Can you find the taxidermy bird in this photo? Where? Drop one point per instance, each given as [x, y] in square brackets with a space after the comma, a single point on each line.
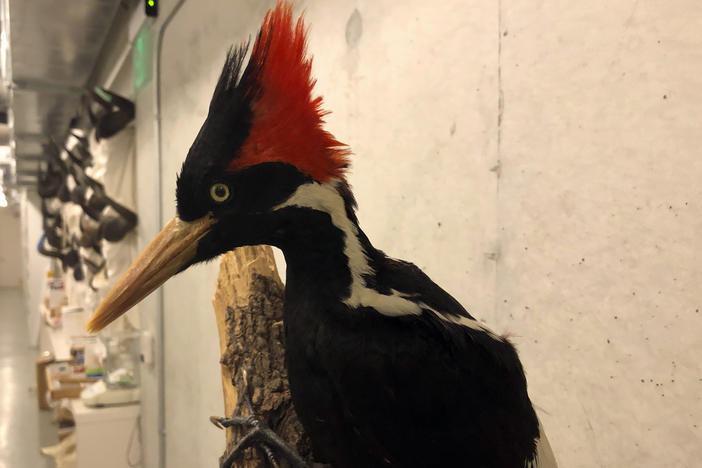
[386, 369]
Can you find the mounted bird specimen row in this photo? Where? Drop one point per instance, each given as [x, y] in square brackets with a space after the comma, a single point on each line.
[64, 179]
[385, 367]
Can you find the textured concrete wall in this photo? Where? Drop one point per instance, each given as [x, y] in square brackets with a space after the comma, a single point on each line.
[537, 160]
[599, 220]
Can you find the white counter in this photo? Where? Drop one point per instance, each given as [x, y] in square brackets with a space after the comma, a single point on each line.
[107, 437]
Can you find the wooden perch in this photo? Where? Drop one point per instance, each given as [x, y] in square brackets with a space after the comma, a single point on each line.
[248, 305]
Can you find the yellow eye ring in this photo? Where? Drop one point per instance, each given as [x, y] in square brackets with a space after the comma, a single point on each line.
[219, 192]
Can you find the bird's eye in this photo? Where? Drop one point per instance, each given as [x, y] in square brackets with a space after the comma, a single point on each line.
[219, 192]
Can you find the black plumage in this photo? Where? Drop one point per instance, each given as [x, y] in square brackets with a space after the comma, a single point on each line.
[385, 367]
[372, 388]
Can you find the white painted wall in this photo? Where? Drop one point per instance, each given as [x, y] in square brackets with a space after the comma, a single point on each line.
[10, 255]
[581, 243]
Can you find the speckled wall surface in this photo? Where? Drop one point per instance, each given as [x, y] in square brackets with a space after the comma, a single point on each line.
[600, 215]
[538, 159]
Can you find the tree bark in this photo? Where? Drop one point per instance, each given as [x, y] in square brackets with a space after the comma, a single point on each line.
[248, 305]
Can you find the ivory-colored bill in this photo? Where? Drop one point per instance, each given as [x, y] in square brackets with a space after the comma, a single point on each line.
[172, 248]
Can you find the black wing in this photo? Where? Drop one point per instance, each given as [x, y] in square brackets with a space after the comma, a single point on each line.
[422, 391]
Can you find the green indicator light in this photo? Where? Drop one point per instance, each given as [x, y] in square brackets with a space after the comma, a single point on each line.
[151, 8]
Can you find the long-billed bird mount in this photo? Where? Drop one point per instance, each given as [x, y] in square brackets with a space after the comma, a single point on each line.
[385, 367]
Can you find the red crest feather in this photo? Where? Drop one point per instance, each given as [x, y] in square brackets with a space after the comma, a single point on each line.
[286, 121]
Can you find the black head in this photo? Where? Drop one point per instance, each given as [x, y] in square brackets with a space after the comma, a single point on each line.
[261, 141]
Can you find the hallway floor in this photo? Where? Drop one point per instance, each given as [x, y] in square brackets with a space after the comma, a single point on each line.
[23, 427]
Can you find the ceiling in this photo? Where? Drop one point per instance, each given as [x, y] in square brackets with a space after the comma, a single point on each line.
[53, 47]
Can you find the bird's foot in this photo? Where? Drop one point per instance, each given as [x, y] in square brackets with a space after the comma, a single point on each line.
[259, 435]
[262, 437]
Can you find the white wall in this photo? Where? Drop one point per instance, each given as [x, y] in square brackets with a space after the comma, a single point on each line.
[537, 160]
[10, 255]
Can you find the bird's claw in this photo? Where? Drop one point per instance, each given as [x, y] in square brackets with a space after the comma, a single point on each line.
[247, 421]
[216, 421]
[265, 439]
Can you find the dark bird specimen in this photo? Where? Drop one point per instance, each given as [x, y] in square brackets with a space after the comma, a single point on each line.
[385, 367]
[115, 113]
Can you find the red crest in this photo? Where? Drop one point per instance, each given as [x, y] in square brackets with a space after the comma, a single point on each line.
[286, 120]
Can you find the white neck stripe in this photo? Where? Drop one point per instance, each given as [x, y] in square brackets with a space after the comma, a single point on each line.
[326, 198]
